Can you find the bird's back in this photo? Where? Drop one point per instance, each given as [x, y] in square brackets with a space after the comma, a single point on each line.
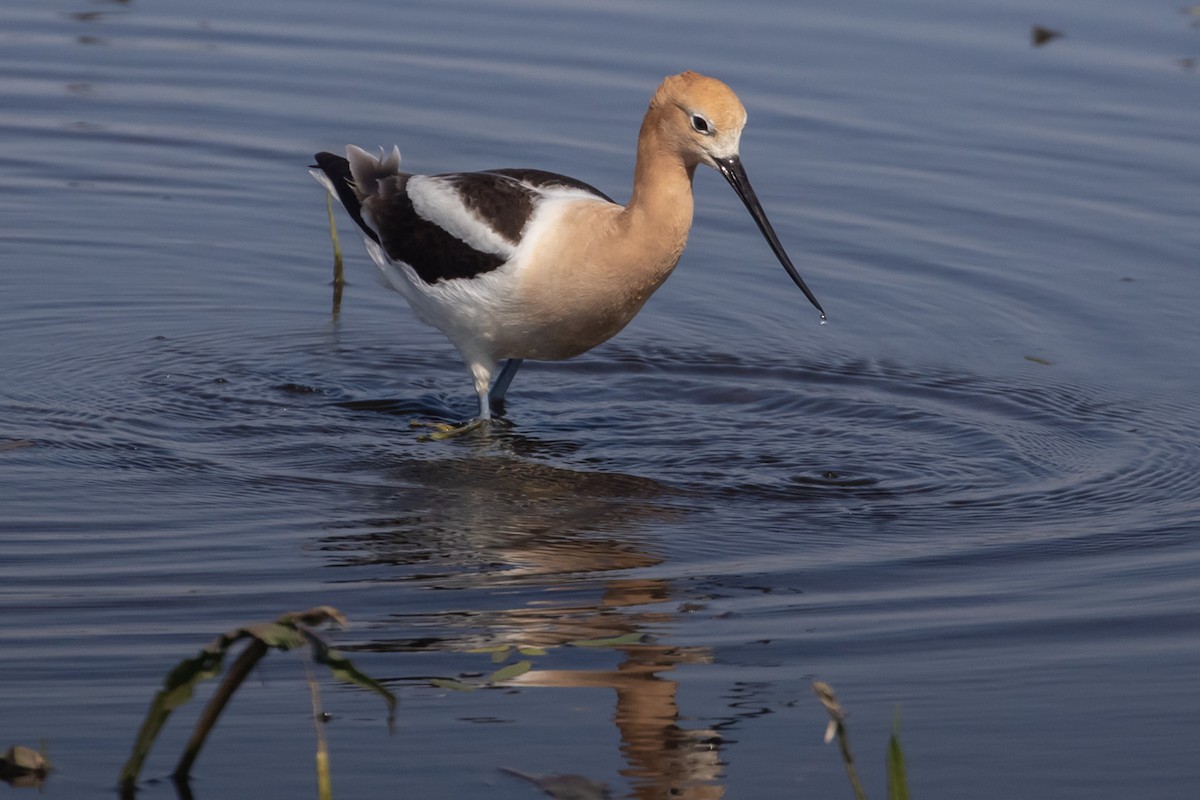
[454, 225]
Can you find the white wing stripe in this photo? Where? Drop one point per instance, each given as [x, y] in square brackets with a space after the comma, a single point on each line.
[438, 201]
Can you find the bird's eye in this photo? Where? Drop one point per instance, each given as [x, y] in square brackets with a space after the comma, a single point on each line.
[701, 125]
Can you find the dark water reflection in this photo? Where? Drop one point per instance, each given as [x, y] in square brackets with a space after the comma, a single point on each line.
[503, 518]
[499, 522]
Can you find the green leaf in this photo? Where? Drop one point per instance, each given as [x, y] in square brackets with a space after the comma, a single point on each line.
[280, 635]
[527, 650]
[344, 670]
[615, 641]
[511, 671]
[177, 689]
[286, 633]
[452, 685]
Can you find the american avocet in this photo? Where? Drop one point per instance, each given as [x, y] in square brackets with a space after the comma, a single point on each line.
[519, 263]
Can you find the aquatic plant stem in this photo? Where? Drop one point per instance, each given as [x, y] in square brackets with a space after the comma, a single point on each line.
[848, 758]
[897, 780]
[837, 726]
[216, 704]
[324, 779]
[339, 272]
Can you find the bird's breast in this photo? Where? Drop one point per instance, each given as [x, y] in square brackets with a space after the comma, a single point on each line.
[583, 276]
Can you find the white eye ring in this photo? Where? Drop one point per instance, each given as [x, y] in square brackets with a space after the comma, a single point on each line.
[701, 125]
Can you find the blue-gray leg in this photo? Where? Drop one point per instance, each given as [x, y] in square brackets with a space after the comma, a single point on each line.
[507, 373]
[489, 393]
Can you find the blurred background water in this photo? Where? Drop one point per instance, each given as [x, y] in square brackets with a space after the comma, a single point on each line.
[971, 495]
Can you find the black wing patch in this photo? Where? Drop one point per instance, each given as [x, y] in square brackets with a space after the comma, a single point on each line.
[433, 253]
[429, 249]
[503, 204]
[503, 199]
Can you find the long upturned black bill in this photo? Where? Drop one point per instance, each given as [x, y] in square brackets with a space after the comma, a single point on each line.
[735, 173]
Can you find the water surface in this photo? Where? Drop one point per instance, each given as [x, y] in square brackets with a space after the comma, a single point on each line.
[971, 495]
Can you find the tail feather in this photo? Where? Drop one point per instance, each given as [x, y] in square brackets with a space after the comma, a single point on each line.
[335, 175]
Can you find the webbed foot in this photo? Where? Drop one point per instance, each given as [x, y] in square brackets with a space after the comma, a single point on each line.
[446, 430]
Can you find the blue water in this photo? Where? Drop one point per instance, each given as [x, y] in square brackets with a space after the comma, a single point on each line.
[972, 495]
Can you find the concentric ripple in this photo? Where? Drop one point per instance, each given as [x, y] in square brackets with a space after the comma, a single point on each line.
[922, 446]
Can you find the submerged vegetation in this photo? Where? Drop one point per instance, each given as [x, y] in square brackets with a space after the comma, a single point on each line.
[286, 633]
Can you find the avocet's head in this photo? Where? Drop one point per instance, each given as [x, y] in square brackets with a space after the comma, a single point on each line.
[704, 118]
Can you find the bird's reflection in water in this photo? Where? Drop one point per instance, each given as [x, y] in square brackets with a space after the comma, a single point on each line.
[502, 522]
[662, 758]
